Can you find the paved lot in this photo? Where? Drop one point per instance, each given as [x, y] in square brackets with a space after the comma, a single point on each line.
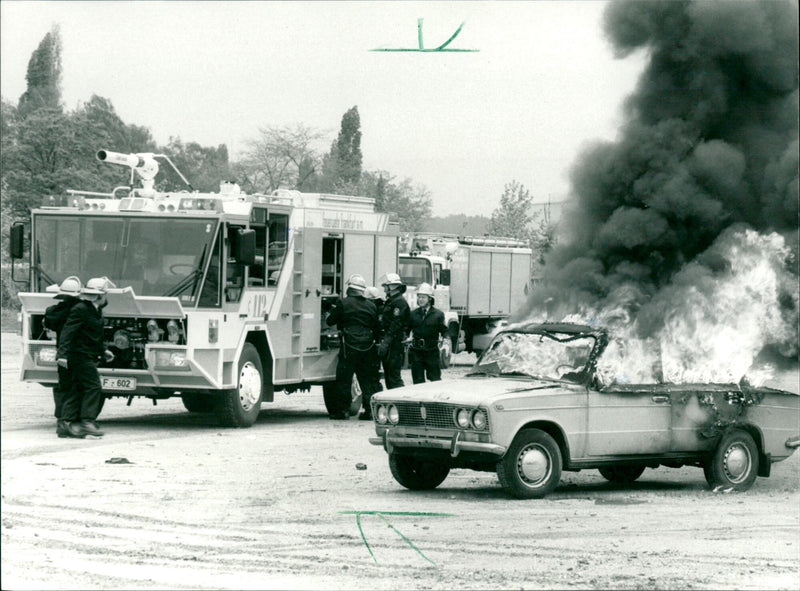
[169, 500]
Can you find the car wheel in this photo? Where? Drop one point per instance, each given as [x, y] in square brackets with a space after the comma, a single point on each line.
[734, 463]
[239, 407]
[330, 392]
[417, 474]
[531, 467]
[199, 402]
[621, 474]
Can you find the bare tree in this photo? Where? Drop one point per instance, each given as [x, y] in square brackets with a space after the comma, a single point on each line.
[280, 157]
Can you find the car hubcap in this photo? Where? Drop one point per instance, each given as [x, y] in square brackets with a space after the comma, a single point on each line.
[249, 386]
[737, 463]
[533, 465]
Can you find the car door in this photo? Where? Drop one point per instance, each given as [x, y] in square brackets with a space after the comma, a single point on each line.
[628, 420]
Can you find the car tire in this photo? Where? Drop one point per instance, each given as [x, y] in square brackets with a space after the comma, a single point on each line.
[621, 474]
[239, 407]
[416, 474]
[734, 464]
[531, 467]
[202, 403]
[329, 393]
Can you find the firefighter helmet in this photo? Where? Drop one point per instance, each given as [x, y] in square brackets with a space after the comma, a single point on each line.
[71, 286]
[357, 282]
[98, 285]
[391, 279]
[425, 289]
[372, 293]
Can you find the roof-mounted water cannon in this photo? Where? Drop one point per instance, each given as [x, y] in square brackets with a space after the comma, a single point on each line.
[144, 165]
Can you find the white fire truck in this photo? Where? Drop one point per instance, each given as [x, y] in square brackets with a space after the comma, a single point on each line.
[221, 298]
[477, 281]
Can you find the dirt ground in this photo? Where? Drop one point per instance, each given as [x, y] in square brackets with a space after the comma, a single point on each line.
[168, 500]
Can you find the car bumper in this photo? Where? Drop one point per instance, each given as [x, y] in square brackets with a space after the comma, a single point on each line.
[793, 442]
[454, 444]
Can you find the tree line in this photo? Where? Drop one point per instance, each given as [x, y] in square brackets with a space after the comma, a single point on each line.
[46, 149]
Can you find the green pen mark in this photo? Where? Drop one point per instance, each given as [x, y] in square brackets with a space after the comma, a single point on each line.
[442, 48]
[382, 515]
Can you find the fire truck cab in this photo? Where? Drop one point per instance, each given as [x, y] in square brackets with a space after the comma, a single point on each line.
[220, 298]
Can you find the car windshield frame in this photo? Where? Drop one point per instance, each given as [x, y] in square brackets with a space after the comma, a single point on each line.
[155, 256]
[558, 353]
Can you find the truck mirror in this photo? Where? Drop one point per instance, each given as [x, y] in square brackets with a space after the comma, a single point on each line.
[16, 240]
[245, 247]
[444, 278]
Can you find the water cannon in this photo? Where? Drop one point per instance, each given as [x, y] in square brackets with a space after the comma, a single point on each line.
[144, 165]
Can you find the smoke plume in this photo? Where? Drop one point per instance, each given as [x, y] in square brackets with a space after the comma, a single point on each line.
[684, 231]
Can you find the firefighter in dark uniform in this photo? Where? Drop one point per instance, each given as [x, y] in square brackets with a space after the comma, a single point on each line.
[357, 321]
[394, 323]
[427, 325]
[373, 294]
[54, 318]
[81, 348]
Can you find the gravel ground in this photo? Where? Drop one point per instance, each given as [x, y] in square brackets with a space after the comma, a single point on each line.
[168, 500]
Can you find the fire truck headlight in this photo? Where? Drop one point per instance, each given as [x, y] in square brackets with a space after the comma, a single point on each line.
[169, 359]
[213, 330]
[173, 332]
[153, 331]
[46, 356]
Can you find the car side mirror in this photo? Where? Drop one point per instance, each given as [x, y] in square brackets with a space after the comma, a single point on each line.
[245, 249]
[16, 240]
[444, 277]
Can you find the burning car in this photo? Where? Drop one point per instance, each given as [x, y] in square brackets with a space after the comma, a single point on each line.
[535, 404]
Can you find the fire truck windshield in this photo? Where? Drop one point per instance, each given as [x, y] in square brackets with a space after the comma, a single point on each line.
[154, 256]
[414, 271]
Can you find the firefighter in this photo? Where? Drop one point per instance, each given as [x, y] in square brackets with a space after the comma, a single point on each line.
[80, 350]
[427, 325]
[357, 320]
[373, 294]
[394, 325]
[54, 318]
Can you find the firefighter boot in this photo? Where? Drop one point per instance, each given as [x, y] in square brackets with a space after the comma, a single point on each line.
[62, 428]
[90, 427]
[75, 429]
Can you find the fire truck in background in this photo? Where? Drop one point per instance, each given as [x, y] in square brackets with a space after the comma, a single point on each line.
[221, 298]
[477, 281]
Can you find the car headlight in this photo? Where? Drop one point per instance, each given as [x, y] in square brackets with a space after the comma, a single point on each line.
[394, 414]
[478, 420]
[380, 413]
[462, 418]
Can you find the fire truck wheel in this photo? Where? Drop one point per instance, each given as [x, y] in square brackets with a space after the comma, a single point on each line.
[329, 393]
[239, 407]
[198, 402]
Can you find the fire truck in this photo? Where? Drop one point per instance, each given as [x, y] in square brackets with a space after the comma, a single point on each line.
[477, 282]
[220, 298]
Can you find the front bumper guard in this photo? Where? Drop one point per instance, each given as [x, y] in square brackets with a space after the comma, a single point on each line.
[454, 444]
[793, 442]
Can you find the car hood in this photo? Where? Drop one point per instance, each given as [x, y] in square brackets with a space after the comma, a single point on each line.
[471, 391]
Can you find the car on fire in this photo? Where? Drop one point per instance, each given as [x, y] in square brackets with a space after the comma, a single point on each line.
[535, 404]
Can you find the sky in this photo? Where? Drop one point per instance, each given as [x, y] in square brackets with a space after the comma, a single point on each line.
[542, 86]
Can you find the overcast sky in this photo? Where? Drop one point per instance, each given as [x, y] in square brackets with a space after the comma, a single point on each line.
[543, 83]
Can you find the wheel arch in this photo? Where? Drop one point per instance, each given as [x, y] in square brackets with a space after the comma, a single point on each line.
[556, 432]
[258, 338]
[764, 459]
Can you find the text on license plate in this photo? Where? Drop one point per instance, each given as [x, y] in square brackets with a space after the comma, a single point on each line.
[119, 383]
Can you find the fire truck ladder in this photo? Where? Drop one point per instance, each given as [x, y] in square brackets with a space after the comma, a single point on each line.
[295, 362]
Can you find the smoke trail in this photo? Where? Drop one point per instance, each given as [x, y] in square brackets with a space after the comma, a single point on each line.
[703, 174]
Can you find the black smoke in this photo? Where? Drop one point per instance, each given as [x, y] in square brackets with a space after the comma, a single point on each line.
[710, 148]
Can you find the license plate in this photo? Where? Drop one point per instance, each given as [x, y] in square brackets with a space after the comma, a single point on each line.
[119, 383]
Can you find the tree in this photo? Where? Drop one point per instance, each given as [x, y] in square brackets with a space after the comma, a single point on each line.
[409, 204]
[514, 217]
[341, 166]
[43, 76]
[203, 167]
[281, 157]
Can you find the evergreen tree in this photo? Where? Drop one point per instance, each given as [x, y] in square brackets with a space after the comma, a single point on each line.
[348, 148]
[44, 76]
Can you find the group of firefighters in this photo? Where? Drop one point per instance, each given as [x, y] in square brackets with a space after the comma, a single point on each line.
[374, 332]
[77, 321]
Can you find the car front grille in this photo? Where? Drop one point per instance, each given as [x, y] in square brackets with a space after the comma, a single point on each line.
[437, 415]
